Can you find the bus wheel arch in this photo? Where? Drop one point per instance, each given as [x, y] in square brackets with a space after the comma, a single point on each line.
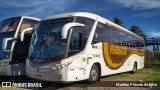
[96, 68]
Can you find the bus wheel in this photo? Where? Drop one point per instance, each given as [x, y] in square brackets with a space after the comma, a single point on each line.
[94, 74]
[134, 68]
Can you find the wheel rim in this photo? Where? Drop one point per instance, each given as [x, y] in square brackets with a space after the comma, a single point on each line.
[134, 68]
[93, 74]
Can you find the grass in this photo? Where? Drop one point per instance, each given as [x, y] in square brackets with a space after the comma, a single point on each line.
[145, 74]
[122, 76]
[151, 78]
[152, 63]
[154, 74]
[66, 88]
[151, 73]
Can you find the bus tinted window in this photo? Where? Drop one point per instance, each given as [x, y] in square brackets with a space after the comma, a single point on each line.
[76, 42]
[28, 23]
[123, 38]
[88, 25]
[104, 33]
[9, 25]
[114, 35]
[87, 29]
[101, 33]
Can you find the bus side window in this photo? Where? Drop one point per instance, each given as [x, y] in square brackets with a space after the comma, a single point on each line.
[24, 26]
[101, 33]
[143, 46]
[27, 23]
[13, 26]
[87, 29]
[123, 38]
[75, 43]
[114, 36]
[10, 26]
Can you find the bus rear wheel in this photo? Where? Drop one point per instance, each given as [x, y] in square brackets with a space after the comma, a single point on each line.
[134, 68]
[94, 74]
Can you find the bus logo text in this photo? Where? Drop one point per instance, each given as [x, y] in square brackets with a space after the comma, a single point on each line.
[118, 50]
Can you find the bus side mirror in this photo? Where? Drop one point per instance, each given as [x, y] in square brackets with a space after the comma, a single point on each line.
[24, 31]
[5, 43]
[68, 26]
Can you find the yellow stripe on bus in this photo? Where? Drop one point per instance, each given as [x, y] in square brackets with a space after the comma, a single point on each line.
[109, 61]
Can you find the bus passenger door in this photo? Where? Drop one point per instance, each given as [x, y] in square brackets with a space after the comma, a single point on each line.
[21, 48]
[76, 47]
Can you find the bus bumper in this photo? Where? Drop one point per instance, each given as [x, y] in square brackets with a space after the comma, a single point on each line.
[13, 70]
[47, 74]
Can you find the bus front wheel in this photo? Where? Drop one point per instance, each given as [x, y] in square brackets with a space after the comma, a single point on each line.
[94, 74]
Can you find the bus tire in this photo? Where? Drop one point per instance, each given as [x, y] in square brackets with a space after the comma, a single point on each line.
[134, 68]
[94, 74]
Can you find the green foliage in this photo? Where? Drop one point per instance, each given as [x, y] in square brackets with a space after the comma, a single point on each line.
[118, 21]
[152, 59]
[135, 29]
[66, 88]
[152, 55]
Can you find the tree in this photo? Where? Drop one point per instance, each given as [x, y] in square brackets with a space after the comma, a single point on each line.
[118, 21]
[135, 29]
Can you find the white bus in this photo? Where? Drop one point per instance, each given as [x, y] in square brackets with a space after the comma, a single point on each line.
[13, 51]
[82, 46]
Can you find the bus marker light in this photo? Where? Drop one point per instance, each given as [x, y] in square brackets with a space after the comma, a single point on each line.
[108, 24]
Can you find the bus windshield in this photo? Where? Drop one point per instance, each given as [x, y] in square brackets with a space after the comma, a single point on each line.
[46, 42]
[9, 25]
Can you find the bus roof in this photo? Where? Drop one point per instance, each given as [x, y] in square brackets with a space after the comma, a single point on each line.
[83, 14]
[94, 17]
[38, 19]
[34, 18]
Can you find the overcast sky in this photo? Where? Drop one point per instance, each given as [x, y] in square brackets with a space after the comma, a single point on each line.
[143, 13]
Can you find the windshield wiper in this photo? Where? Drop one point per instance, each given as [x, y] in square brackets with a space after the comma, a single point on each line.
[46, 52]
[40, 47]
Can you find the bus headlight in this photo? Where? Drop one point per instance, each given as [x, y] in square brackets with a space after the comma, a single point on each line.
[58, 66]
